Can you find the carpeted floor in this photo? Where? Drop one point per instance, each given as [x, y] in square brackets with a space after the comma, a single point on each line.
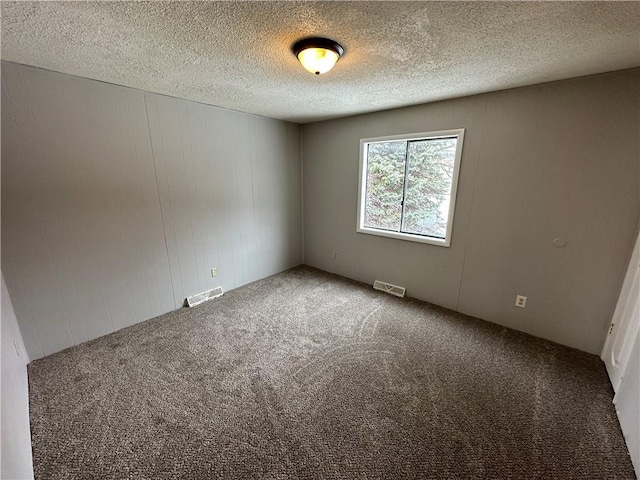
[305, 375]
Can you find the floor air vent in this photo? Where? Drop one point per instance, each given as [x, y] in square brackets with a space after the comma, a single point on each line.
[199, 298]
[387, 287]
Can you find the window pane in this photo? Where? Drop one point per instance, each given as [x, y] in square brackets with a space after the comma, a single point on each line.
[385, 182]
[430, 175]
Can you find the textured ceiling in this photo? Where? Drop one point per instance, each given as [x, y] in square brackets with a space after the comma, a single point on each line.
[237, 54]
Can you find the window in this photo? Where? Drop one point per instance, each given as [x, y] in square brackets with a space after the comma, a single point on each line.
[408, 186]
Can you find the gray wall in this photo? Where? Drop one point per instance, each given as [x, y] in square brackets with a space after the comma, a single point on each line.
[553, 160]
[117, 203]
[16, 460]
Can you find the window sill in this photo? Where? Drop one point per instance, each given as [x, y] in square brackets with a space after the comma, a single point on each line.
[405, 236]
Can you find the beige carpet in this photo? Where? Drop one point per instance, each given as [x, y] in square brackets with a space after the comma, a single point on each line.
[305, 375]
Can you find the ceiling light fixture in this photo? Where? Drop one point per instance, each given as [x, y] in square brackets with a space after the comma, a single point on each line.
[317, 55]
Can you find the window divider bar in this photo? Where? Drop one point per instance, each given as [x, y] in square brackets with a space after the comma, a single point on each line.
[404, 185]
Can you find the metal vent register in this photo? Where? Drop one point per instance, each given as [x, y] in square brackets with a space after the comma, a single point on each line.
[199, 298]
[388, 288]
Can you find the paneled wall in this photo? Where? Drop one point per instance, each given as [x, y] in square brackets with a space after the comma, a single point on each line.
[229, 186]
[553, 160]
[117, 203]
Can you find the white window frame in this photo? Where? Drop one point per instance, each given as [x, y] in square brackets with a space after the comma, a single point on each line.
[362, 185]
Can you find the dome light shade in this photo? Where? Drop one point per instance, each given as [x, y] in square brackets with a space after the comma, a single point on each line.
[317, 55]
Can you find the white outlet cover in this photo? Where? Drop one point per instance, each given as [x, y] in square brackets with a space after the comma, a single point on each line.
[521, 301]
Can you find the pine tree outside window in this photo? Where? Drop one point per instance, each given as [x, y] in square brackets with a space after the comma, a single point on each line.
[408, 184]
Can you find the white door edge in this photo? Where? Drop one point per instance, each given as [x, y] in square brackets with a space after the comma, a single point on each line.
[625, 322]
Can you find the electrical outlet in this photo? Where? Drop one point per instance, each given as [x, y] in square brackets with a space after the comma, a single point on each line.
[521, 301]
[335, 255]
[214, 272]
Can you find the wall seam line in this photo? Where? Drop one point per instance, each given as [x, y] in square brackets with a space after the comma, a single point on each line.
[302, 259]
[473, 196]
[184, 156]
[164, 230]
[120, 221]
[139, 240]
[203, 268]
